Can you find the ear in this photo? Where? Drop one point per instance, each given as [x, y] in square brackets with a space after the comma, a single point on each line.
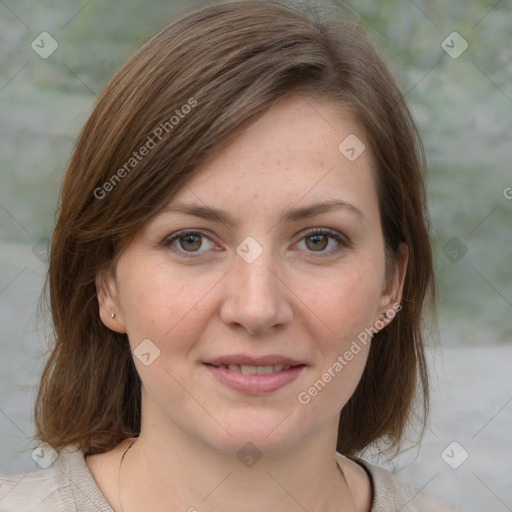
[110, 311]
[391, 294]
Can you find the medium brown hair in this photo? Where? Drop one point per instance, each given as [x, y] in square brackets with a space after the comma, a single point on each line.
[232, 61]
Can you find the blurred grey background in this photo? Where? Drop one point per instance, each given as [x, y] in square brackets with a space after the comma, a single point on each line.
[461, 98]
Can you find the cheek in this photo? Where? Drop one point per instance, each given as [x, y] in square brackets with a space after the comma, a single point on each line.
[347, 305]
[349, 311]
[161, 303]
[347, 302]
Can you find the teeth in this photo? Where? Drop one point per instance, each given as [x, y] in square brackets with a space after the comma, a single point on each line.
[265, 369]
[251, 370]
[248, 370]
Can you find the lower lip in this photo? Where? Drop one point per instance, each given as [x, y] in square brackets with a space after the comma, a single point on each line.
[255, 384]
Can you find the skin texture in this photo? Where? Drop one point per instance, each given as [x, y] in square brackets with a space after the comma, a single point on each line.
[303, 300]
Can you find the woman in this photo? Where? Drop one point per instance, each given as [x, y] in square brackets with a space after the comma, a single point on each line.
[237, 278]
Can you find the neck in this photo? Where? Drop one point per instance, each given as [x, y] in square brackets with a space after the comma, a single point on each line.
[173, 472]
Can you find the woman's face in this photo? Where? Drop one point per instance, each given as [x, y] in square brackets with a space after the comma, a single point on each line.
[190, 289]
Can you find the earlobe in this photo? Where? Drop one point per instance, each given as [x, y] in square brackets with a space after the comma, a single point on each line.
[109, 309]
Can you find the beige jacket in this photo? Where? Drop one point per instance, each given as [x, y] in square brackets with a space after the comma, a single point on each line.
[68, 486]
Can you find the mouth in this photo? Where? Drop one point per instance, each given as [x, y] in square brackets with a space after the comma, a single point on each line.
[255, 370]
[255, 376]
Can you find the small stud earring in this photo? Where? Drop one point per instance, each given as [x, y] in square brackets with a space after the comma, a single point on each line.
[112, 315]
[383, 316]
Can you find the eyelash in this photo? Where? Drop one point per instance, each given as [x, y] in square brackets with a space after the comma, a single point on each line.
[343, 242]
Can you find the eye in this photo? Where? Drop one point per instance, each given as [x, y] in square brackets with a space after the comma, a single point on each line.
[317, 239]
[189, 242]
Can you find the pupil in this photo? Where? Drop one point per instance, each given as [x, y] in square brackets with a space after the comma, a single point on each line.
[189, 239]
[317, 239]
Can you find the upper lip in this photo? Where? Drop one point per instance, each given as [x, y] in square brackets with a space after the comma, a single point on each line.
[244, 360]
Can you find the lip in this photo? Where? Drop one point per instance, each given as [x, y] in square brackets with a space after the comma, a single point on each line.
[254, 384]
[265, 360]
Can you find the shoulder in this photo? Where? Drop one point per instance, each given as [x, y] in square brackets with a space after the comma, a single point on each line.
[390, 494]
[66, 486]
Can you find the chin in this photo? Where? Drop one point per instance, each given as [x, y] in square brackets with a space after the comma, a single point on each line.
[258, 432]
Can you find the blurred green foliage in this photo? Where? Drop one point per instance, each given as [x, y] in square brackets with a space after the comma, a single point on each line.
[463, 108]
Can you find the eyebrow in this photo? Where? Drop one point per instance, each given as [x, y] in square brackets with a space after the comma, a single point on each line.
[289, 215]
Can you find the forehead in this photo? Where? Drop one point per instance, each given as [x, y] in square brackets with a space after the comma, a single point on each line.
[294, 154]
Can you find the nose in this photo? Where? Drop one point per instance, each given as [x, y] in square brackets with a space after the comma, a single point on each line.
[256, 295]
